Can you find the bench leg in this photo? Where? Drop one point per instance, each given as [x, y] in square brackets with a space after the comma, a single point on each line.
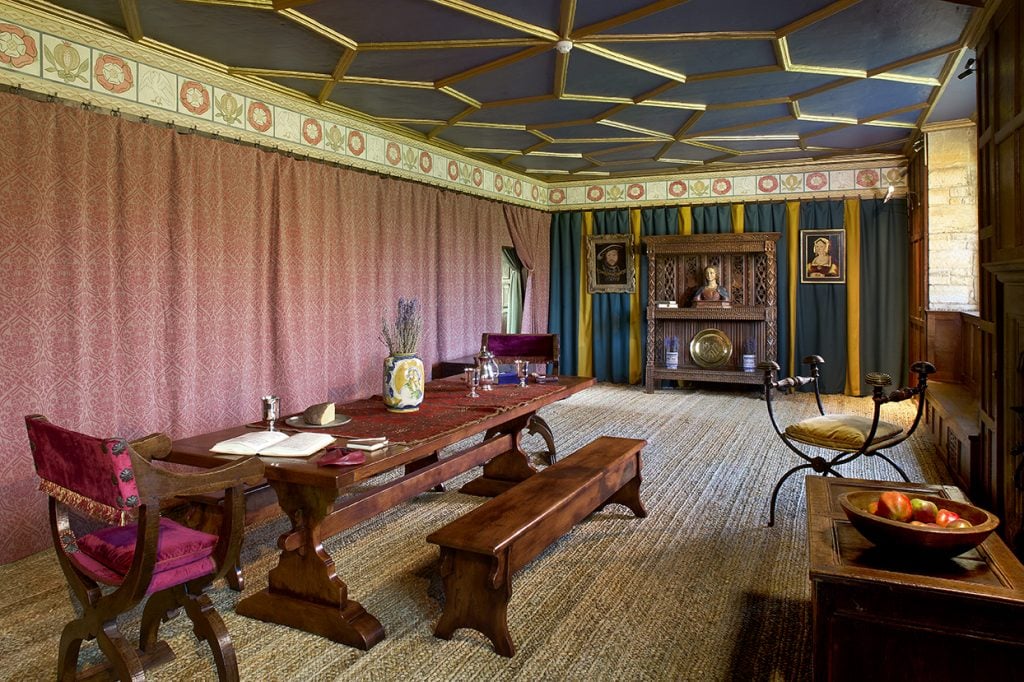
[472, 601]
[629, 496]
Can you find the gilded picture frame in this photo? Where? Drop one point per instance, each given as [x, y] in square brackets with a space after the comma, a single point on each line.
[823, 256]
[610, 264]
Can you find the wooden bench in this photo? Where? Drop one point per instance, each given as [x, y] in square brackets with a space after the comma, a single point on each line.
[482, 549]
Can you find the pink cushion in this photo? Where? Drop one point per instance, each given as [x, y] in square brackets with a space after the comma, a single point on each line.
[161, 581]
[114, 547]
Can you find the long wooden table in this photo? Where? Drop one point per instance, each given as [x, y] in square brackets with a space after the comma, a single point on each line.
[303, 590]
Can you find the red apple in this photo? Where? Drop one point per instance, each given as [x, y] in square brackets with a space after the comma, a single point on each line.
[924, 510]
[873, 507]
[946, 517]
[894, 505]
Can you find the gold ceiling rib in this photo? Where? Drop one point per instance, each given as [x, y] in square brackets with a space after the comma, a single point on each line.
[599, 140]
[286, 4]
[707, 145]
[246, 4]
[618, 149]
[316, 27]
[345, 61]
[638, 13]
[680, 37]
[687, 124]
[387, 82]
[497, 18]
[277, 73]
[132, 22]
[634, 129]
[566, 18]
[729, 129]
[665, 104]
[547, 139]
[668, 85]
[534, 147]
[567, 97]
[733, 73]
[561, 71]
[663, 150]
[494, 104]
[748, 103]
[491, 65]
[462, 97]
[464, 43]
[561, 124]
[557, 155]
[630, 61]
[496, 126]
[407, 121]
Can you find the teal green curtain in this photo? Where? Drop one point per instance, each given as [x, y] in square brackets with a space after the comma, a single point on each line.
[821, 308]
[611, 312]
[772, 218]
[653, 221]
[715, 219]
[564, 300]
[516, 290]
[884, 288]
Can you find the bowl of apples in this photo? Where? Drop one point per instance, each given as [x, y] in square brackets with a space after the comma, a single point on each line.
[921, 524]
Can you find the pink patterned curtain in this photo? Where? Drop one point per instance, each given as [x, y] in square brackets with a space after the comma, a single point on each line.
[530, 232]
[155, 281]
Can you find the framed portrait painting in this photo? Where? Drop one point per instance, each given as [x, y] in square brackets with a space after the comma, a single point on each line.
[610, 268]
[823, 256]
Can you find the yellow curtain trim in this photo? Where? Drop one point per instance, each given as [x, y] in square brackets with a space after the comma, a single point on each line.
[635, 223]
[793, 228]
[851, 216]
[685, 220]
[585, 347]
[738, 217]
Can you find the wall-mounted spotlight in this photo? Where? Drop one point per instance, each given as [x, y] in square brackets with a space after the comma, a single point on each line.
[969, 68]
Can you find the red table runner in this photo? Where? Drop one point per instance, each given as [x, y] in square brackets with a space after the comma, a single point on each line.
[446, 407]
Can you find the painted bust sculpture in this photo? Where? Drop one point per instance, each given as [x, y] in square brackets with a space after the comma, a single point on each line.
[711, 291]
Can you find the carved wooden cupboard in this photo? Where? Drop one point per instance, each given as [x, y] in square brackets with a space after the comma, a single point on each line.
[711, 336]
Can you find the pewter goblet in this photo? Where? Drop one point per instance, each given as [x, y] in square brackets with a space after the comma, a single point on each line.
[473, 375]
[522, 371]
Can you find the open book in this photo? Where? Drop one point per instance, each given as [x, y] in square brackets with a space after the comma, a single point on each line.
[274, 444]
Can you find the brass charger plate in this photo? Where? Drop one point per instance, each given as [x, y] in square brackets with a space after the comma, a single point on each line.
[710, 348]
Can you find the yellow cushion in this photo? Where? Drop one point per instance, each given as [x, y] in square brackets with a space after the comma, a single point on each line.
[841, 431]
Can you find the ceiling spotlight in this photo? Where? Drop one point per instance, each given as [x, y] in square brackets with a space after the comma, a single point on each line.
[889, 194]
[563, 46]
[969, 68]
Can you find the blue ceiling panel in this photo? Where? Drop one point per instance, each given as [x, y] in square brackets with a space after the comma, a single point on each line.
[525, 78]
[742, 116]
[958, 99]
[238, 36]
[928, 68]
[591, 11]
[852, 137]
[704, 56]
[747, 88]
[422, 65]
[894, 28]
[590, 74]
[543, 13]
[660, 119]
[638, 153]
[691, 152]
[391, 102]
[494, 138]
[760, 158]
[865, 98]
[548, 111]
[548, 162]
[588, 131]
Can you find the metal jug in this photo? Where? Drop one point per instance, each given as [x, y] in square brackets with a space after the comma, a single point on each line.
[488, 369]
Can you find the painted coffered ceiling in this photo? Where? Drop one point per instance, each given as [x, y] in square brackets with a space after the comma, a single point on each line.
[567, 89]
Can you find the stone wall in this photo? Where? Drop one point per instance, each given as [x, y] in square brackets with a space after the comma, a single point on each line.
[953, 219]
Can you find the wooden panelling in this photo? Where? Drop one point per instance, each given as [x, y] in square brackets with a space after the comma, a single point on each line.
[944, 344]
[1000, 78]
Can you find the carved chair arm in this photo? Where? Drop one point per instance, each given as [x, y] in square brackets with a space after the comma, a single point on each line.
[154, 446]
[157, 484]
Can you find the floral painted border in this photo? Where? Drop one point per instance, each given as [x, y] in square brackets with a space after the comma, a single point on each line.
[54, 56]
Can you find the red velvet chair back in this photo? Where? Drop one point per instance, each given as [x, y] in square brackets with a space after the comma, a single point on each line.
[89, 474]
[531, 347]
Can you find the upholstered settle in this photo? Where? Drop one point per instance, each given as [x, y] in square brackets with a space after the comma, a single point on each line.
[842, 432]
[535, 348]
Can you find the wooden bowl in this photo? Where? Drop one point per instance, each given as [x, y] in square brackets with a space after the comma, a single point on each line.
[919, 540]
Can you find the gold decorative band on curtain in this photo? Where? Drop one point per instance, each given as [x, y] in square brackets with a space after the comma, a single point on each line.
[851, 218]
[585, 341]
[793, 222]
[635, 361]
[737, 218]
[685, 220]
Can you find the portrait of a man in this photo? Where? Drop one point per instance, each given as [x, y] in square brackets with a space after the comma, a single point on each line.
[610, 266]
[823, 254]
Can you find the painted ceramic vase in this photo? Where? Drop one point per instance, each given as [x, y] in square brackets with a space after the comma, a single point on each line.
[403, 383]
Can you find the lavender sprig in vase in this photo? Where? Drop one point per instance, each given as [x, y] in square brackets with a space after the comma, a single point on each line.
[403, 369]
